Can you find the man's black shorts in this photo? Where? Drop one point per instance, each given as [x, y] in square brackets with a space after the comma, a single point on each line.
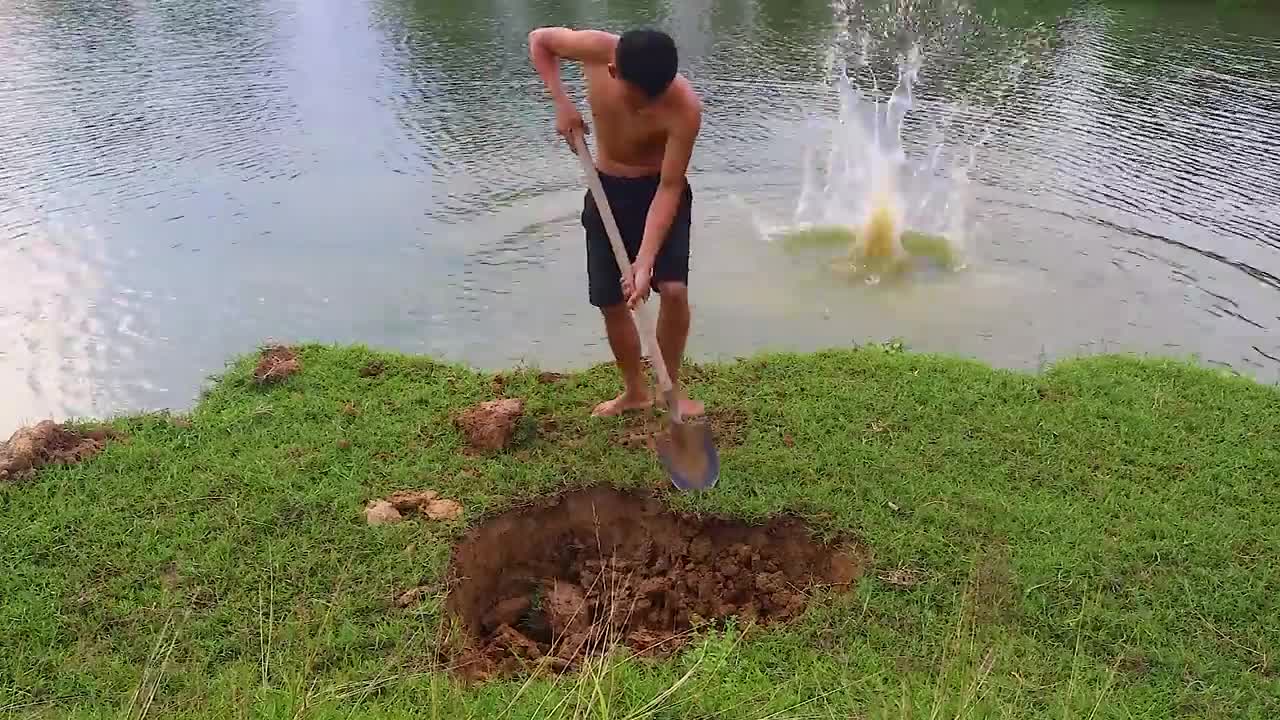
[629, 198]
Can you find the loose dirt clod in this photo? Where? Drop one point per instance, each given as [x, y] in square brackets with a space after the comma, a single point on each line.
[490, 425]
[601, 568]
[412, 596]
[48, 443]
[426, 502]
[276, 363]
[381, 512]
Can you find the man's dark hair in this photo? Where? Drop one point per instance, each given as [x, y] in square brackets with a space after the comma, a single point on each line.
[647, 59]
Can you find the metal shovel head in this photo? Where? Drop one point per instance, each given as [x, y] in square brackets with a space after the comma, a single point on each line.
[688, 452]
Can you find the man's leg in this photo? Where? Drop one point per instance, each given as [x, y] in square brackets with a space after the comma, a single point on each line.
[605, 290]
[624, 340]
[671, 278]
[673, 333]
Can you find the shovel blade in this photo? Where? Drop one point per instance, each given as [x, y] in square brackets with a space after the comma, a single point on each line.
[688, 452]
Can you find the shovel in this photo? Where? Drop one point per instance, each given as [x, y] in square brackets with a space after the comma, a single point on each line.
[687, 450]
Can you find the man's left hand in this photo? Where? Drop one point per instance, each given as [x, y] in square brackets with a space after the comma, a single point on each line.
[642, 276]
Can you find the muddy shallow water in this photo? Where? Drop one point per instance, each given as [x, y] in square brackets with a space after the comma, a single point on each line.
[182, 182]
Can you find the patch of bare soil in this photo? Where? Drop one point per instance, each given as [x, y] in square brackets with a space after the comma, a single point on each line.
[373, 368]
[568, 433]
[600, 568]
[993, 587]
[424, 503]
[48, 443]
[728, 424]
[498, 384]
[275, 364]
[489, 426]
[728, 427]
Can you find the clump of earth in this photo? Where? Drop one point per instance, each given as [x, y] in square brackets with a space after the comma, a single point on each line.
[398, 505]
[489, 426]
[275, 364]
[48, 443]
[601, 569]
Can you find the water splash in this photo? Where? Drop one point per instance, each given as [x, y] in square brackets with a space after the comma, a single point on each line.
[861, 185]
[893, 209]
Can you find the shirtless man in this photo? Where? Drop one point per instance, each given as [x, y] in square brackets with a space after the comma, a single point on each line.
[647, 118]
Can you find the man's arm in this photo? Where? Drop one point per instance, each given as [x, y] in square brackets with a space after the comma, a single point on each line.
[548, 45]
[675, 163]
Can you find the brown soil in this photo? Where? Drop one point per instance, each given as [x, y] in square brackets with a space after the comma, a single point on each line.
[374, 368]
[426, 503]
[381, 512]
[490, 425]
[600, 568]
[728, 427]
[48, 443]
[276, 363]
[498, 385]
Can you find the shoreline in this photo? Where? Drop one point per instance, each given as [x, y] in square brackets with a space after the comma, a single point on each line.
[1093, 531]
[1029, 367]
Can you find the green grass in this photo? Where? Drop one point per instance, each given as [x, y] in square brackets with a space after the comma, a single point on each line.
[1096, 541]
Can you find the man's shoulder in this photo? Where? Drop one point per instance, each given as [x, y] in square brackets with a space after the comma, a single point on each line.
[685, 104]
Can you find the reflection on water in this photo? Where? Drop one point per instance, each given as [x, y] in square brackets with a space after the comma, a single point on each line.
[181, 181]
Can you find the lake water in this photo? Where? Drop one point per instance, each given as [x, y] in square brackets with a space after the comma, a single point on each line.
[183, 180]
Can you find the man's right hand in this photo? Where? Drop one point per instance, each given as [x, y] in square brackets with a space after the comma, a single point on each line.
[569, 123]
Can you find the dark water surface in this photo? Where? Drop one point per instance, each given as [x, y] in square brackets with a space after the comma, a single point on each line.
[182, 180]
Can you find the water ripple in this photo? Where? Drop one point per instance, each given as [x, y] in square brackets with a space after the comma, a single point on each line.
[180, 180]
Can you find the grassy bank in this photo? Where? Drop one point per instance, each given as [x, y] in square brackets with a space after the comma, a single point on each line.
[1095, 541]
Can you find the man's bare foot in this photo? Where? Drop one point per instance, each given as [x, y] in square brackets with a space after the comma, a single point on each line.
[622, 403]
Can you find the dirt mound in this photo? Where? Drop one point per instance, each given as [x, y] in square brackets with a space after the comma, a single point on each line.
[373, 369]
[601, 568]
[490, 425]
[276, 363]
[426, 503]
[48, 443]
